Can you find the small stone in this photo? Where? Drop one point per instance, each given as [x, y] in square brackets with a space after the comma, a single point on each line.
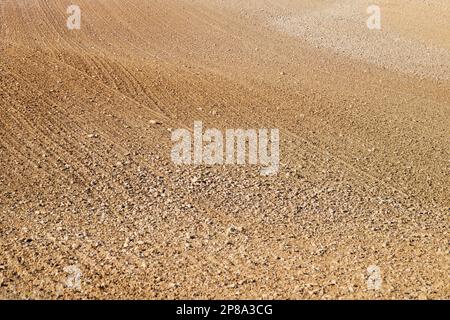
[190, 236]
[231, 230]
[194, 180]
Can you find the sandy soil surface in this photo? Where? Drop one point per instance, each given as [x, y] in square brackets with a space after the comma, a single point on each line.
[87, 182]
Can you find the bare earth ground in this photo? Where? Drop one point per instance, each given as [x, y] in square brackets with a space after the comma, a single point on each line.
[86, 177]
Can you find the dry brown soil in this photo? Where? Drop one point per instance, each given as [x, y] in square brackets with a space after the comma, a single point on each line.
[86, 177]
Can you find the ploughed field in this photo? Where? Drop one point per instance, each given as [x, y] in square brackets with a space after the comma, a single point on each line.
[92, 205]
